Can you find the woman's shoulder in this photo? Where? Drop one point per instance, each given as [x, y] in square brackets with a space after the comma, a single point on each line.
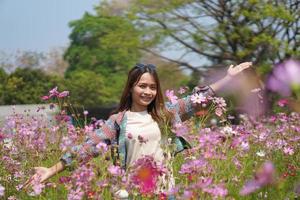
[117, 117]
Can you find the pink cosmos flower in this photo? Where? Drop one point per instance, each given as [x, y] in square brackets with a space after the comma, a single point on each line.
[183, 90]
[170, 95]
[264, 176]
[145, 175]
[198, 98]
[102, 146]
[115, 170]
[284, 76]
[85, 113]
[288, 150]
[45, 98]
[220, 101]
[282, 102]
[37, 187]
[204, 182]
[64, 179]
[219, 111]
[187, 194]
[180, 129]
[75, 194]
[63, 94]
[216, 190]
[53, 92]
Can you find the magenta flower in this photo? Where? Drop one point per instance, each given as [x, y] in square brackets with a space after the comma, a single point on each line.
[216, 190]
[288, 150]
[115, 170]
[284, 76]
[180, 129]
[193, 166]
[219, 112]
[282, 102]
[64, 179]
[183, 90]
[37, 187]
[145, 175]
[76, 194]
[102, 146]
[170, 95]
[53, 92]
[187, 194]
[264, 176]
[45, 98]
[198, 98]
[63, 94]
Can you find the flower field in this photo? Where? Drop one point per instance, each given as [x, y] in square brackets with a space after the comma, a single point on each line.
[253, 159]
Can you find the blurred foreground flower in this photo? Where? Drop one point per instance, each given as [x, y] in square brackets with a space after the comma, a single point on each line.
[145, 175]
[171, 96]
[264, 176]
[285, 77]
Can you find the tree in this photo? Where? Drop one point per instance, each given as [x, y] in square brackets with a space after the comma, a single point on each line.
[103, 44]
[219, 32]
[88, 89]
[26, 86]
[3, 77]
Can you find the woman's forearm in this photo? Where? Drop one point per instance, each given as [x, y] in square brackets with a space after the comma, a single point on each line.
[217, 86]
[58, 167]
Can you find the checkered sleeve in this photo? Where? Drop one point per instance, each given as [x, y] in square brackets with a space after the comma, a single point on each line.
[184, 106]
[88, 149]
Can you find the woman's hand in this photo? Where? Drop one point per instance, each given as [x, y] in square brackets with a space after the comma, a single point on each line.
[235, 70]
[41, 174]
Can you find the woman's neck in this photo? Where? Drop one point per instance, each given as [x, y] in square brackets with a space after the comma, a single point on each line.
[136, 108]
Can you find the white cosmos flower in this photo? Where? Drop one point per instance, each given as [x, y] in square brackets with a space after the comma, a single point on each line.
[261, 153]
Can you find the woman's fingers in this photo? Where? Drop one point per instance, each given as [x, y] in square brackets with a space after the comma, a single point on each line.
[37, 174]
[28, 182]
[230, 67]
[245, 65]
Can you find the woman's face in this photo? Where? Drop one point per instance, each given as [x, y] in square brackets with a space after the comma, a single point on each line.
[143, 92]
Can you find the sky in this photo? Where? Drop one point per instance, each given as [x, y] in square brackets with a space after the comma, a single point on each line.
[39, 25]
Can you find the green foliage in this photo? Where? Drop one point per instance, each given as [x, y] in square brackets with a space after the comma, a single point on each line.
[26, 86]
[171, 77]
[102, 44]
[89, 89]
[3, 77]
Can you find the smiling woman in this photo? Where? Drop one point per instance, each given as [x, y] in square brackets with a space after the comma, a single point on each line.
[135, 126]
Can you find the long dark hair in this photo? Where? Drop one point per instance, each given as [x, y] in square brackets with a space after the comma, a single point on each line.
[156, 108]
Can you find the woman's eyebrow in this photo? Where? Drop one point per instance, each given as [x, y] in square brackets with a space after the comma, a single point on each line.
[147, 83]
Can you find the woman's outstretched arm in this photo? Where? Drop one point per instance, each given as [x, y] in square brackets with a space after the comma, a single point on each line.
[86, 150]
[231, 73]
[44, 173]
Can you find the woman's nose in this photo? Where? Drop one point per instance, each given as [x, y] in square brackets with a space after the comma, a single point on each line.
[147, 91]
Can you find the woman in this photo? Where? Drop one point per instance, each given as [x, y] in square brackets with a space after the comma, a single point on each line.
[140, 112]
